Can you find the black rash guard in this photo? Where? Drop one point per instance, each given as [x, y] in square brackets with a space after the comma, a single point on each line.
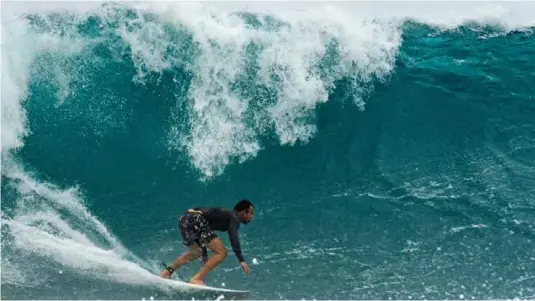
[224, 220]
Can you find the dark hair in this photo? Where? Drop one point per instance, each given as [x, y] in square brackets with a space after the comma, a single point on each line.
[243, 205]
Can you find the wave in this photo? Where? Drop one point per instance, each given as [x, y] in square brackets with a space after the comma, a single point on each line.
[205, 89]
[237, 74]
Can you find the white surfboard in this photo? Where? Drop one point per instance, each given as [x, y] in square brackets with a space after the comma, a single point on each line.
[188, 290]
[205, 290]
[196, 287]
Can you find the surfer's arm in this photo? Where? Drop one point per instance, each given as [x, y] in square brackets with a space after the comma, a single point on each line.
[235, 240]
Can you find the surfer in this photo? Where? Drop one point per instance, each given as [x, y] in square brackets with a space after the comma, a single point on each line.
[197, 227]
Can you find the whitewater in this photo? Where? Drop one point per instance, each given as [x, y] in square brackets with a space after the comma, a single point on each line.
[388, 147]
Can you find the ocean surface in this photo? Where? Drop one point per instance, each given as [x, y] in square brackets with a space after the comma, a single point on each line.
[388, 148]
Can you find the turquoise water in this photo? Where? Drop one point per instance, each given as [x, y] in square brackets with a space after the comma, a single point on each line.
[386, 158]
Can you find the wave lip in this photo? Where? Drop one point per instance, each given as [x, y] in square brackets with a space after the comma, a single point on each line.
[251, 73]
[510, 14]
[256, 68]
[269, 73]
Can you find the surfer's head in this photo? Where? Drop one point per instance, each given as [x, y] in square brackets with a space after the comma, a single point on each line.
[245, 211]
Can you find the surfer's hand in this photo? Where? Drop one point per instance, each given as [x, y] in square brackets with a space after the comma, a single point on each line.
[245, 267]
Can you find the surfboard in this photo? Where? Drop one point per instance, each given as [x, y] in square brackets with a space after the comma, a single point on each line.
[185, 291]
[205, 290]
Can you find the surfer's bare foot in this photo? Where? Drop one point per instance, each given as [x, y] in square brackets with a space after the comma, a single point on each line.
[197, 281]
[165, 274]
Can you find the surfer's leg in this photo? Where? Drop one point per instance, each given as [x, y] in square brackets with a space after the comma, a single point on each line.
[220, 253]
[193, 253]
[188, 228]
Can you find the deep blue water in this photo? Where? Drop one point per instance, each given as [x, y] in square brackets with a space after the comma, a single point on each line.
[385, 161]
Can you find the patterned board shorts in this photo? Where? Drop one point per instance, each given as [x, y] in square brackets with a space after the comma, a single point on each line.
[195, 229]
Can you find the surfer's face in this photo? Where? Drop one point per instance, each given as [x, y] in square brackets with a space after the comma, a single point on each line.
[247, 215]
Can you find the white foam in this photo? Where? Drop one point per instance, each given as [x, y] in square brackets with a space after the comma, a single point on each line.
[223, 127]
[20, 46]
[15, 68]
[55, 224]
